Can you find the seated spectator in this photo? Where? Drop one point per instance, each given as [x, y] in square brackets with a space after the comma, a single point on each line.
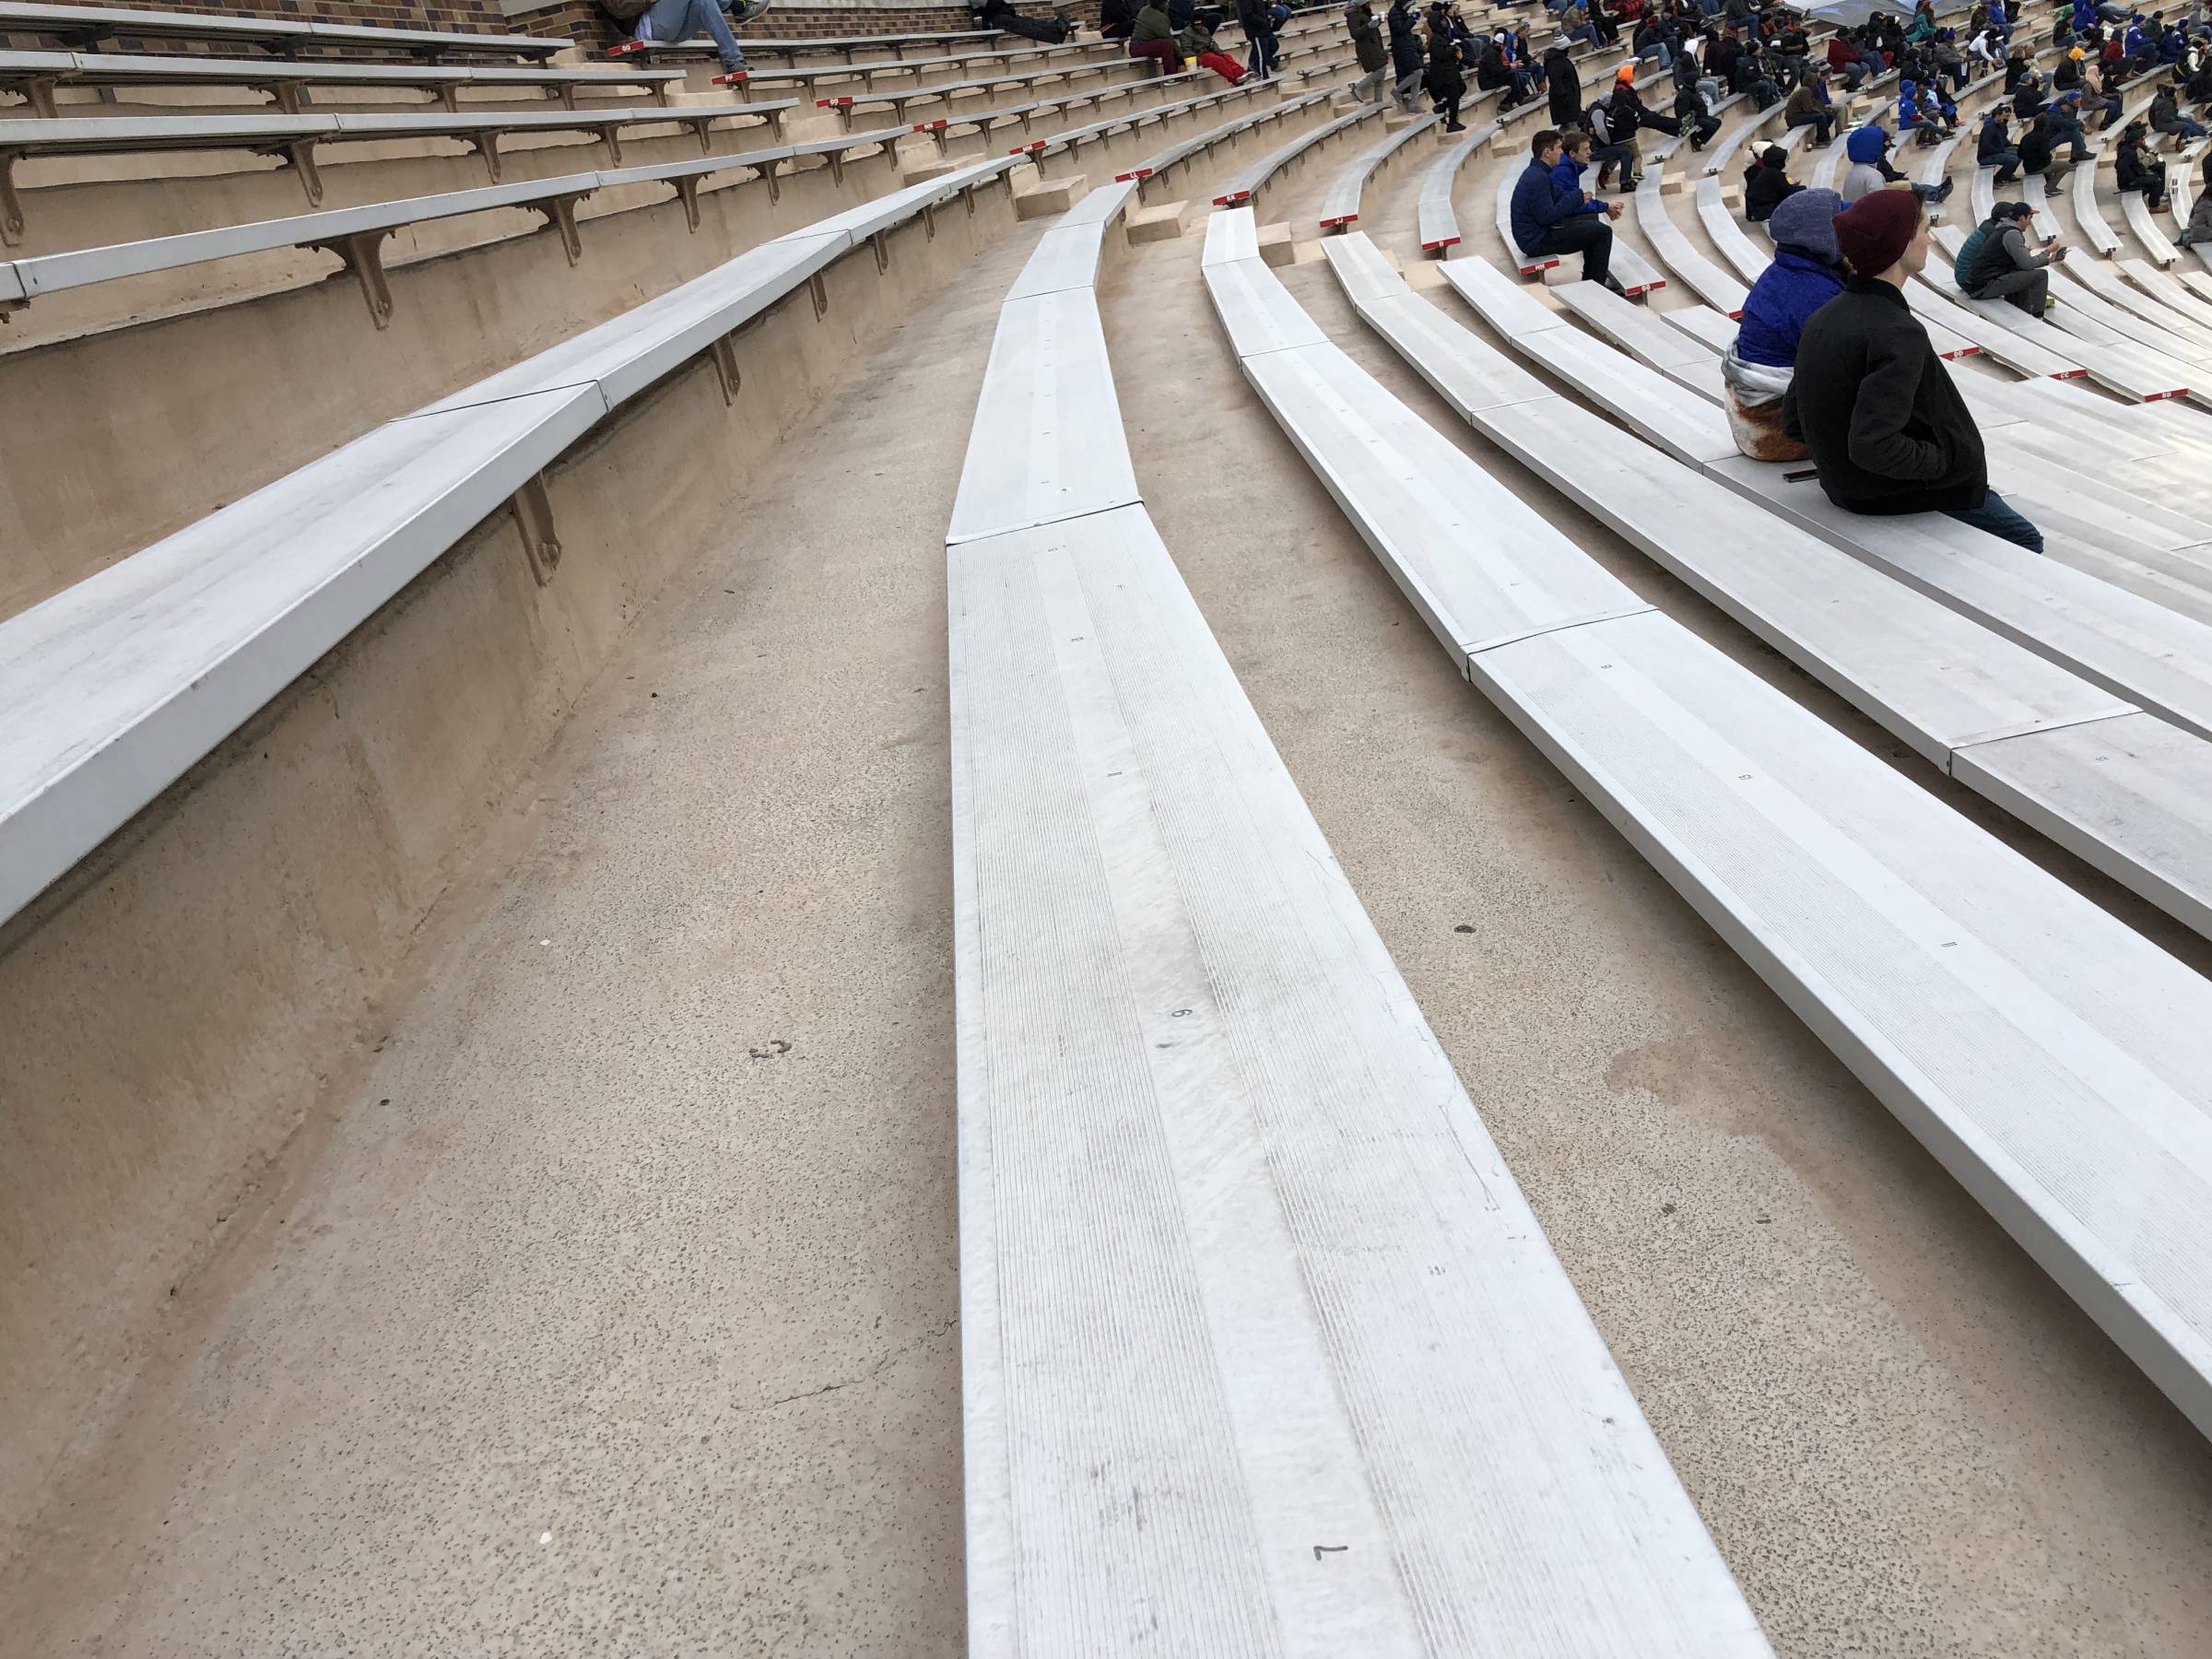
[2199, 228]
[1996, 261]
[2166, 118]
[2063, 120]
[1920, 113]
[1650, 43]
[1872, 402]
[1117, 18]
[1153, 36]
[1198, 44]
[2135, 170]
[1993, 147]
[1612, 126]
[1867, 148]
[1549, 220]
[1000, 15]
[1810, 106]
[670, 22]
[1767, 186]
[1694, 116]
[2039, 153]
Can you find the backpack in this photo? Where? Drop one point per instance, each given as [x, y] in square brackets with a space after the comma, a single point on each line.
[1597, 122]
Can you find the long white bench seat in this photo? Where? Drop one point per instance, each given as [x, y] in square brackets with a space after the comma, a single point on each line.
[1174, 154]
[1678, 420]
[1736, 245]
[1027, 114]
[900, 96]
[354, 233]
[2113, 288]
[1348, 1388]
[2039, 203]
[2156, 246]
[2088, 214]
[90, 24]
[1715, 287]
[2124, 368]
[1340, 204]
[1255, 175]
[2049, 1057]
[2028, 352]
[296, 137]
[291, 81]
[1435, 218]
[1639, 332]
[1943, 683]
[2169, 290]
[112, 688]
[980, 62]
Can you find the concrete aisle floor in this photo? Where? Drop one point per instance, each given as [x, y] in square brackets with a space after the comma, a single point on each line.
[618, 1311]
[1906, 1441]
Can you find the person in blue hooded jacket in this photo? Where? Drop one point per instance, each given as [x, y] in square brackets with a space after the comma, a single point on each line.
[1868, 150]
[1806, 273]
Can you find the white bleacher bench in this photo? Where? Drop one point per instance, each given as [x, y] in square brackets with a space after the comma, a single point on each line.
[111, 689]
[792, 50]
[290, 83]
[1437, 220]
[1641, 333]
[938, 126]
[866, 72]
[1737, 248]
[1404, 1425]
[2002, 1016]
[90, 24]
[1982, 193]
[1683, 262]
[898, 97]
[2113, 288]
[2156, 246]
[355, 234]
[2134, 374]
[2088, 214]
[1181, 150]
[2039, 204]
[1961, 695]
[1254, 176]
[1340, 205]
[2169, 290]
[295, 137]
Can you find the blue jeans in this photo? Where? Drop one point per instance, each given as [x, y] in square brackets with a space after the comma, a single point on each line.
[1660, 52]
[669, 21]
[1996, 516]
[2007, 162]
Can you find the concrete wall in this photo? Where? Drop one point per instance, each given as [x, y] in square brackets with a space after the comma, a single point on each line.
[176, 1005]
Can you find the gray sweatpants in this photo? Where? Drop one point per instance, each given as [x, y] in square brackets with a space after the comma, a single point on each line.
[2027, 290]
[1368, 88]
[1408, 89]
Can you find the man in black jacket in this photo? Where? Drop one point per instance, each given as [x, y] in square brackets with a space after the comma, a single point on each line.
[1888, 431]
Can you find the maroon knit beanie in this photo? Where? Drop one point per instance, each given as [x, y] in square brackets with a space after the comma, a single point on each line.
[1874, 231]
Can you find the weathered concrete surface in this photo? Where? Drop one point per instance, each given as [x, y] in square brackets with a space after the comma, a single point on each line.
[1903, 1436]
[612, 1306]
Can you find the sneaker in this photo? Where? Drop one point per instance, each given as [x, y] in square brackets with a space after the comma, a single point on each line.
[1631, 183]
[1943, 191]
[1456, 126]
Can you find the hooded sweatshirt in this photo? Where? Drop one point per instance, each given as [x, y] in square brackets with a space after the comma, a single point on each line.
[1864, 145]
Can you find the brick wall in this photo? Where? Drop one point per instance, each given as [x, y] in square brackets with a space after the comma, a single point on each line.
[478, 16]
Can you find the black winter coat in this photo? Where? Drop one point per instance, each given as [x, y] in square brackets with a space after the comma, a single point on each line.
[1888, 430]
[1565, 84]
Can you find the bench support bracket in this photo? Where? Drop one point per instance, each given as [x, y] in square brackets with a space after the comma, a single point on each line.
[775, 183]
[883, 252]
[534, 518]
[724, 354]
[11, 205]
[39, 92]
[818, 292]
[687, 192]
[559, 214]
[364, 256]
[487, 145]
[301, 154]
